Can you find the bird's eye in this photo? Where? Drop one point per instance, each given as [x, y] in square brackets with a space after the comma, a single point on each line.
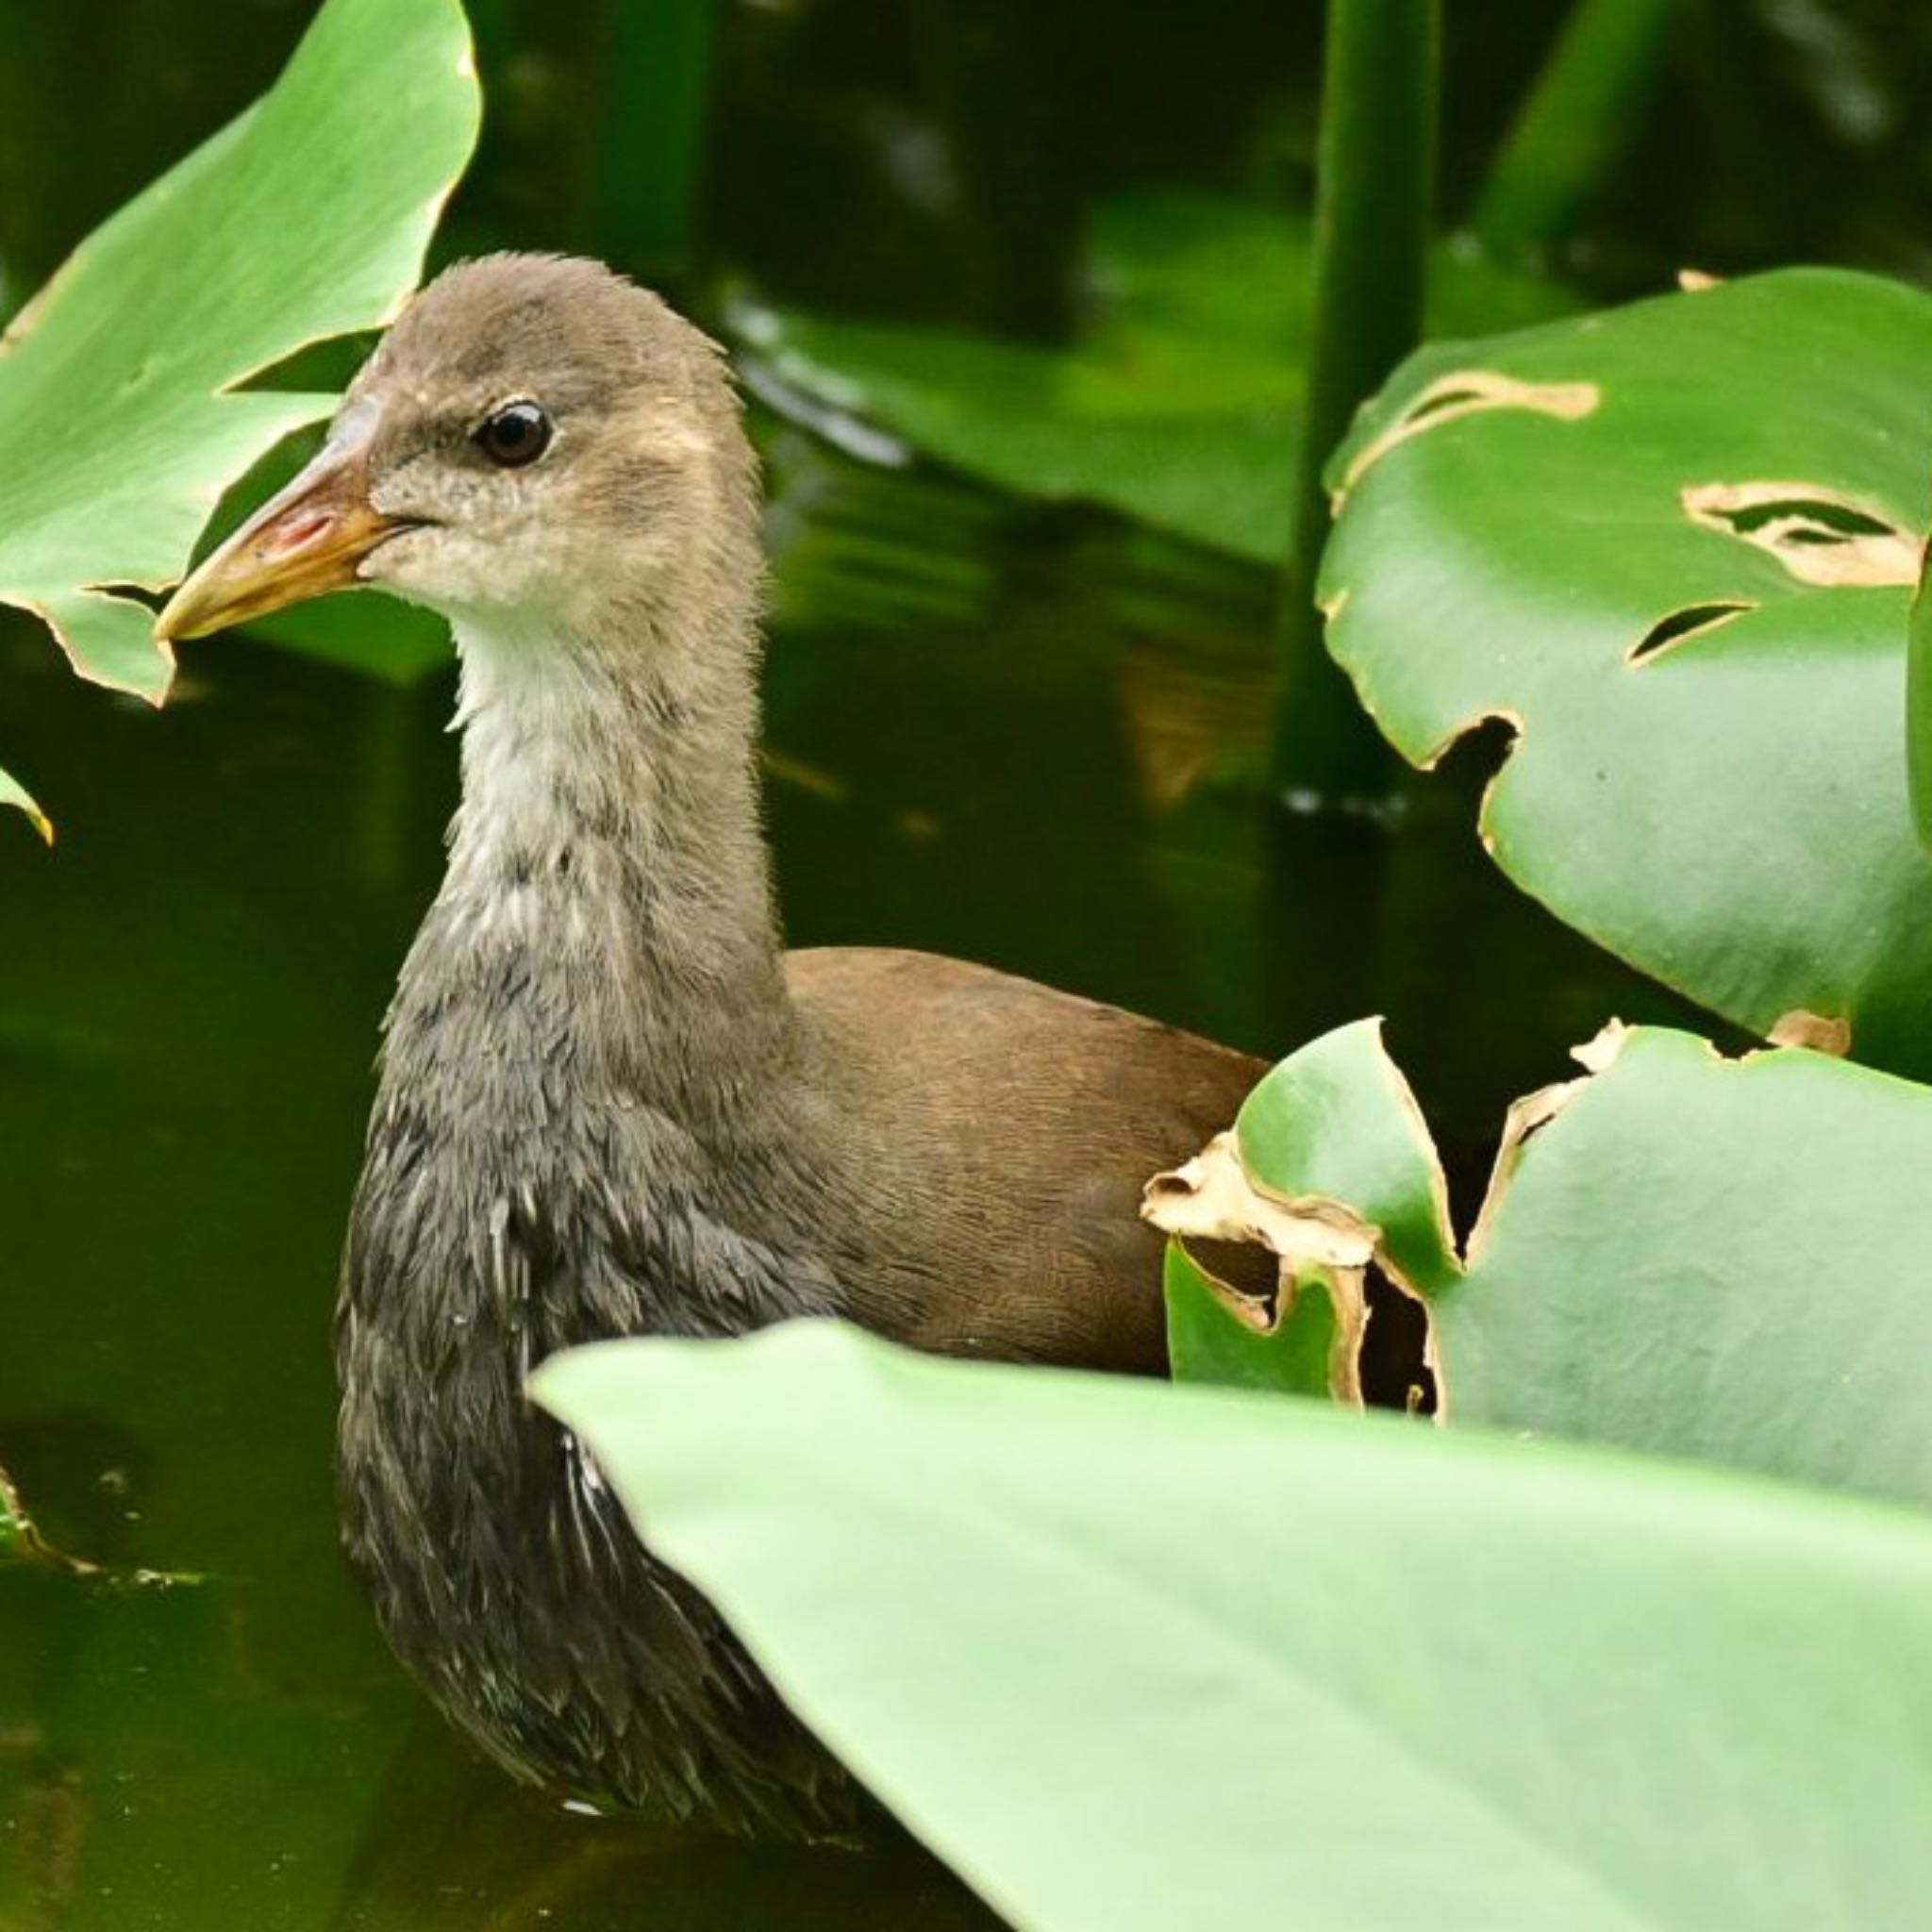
[516, 433]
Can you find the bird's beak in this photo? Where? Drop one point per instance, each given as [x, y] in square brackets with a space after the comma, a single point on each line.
[307, 540]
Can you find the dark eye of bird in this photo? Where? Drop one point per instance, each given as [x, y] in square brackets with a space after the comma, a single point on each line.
[517, 434]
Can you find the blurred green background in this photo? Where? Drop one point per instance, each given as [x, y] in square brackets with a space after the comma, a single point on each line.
[1028, 733]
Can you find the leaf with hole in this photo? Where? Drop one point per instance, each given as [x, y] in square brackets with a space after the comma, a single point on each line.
[1303, 1341]
[1132, 1657]
[123, 415]
[1679, 1253]
[1671, 548]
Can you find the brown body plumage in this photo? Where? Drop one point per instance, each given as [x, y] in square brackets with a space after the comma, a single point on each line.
[610, 1103]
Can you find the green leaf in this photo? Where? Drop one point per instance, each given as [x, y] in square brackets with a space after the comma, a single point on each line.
[1178, 406]
[122, 418]
[1330, 1167]
[1131, 1657]
[379, 637]
[1703, 1257]
[15, 794]
[1671, 547]
[1919, 702]
[1217, 1334]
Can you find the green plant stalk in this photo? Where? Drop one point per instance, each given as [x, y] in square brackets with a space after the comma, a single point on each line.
[1919, 702]
[1372, 202]
[645, 196]
[1575, 124]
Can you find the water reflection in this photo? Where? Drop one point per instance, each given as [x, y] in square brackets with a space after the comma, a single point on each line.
[452, 1848]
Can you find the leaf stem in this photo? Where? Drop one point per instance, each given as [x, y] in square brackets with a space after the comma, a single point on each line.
[1373, 205]
[656, 94]
[1574, 124]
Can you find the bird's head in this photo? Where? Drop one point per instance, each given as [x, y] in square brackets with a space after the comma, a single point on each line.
[533, 434]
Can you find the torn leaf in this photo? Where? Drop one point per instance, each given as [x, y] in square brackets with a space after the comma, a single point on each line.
[1690, 603]
[1819, 1032]
[1466, 393]
[1304, 1339]
[1820, 536]
[1212, 1196]
[1688, 1254]
[1693, 621]
[1329, 1167]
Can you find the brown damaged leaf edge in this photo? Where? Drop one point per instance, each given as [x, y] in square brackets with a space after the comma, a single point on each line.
[1529, 1116]
[1817, 1032]
[1469, 392]
[1823, 537]
[34, 310]
[1212, 1197]
[1264, 1315]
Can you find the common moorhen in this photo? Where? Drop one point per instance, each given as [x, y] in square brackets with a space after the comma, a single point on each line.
[610, 1103]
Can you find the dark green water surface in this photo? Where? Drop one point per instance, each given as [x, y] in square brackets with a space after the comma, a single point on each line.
[1026, 736]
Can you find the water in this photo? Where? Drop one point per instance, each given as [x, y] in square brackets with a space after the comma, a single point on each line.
[1025, 737]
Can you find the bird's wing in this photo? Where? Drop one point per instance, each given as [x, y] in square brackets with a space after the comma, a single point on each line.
[1008, 1131]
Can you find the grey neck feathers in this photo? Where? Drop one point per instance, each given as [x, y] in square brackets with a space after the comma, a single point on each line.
[605, 923]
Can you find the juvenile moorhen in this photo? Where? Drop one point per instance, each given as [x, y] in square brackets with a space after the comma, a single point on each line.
[610, 1103]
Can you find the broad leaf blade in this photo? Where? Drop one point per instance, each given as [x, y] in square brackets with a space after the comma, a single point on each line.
[1714, 1258]
[305, 218]
[1672, 547]
[1131, 1656]
[1702, 1257]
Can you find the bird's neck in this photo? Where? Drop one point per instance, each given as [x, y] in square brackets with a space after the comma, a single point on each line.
[607, 911]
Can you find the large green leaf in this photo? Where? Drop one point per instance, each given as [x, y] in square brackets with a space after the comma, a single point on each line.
[1672, 547]
[1679, 1253]
[122, 419]
[1178, 405]
[1132, 1657]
